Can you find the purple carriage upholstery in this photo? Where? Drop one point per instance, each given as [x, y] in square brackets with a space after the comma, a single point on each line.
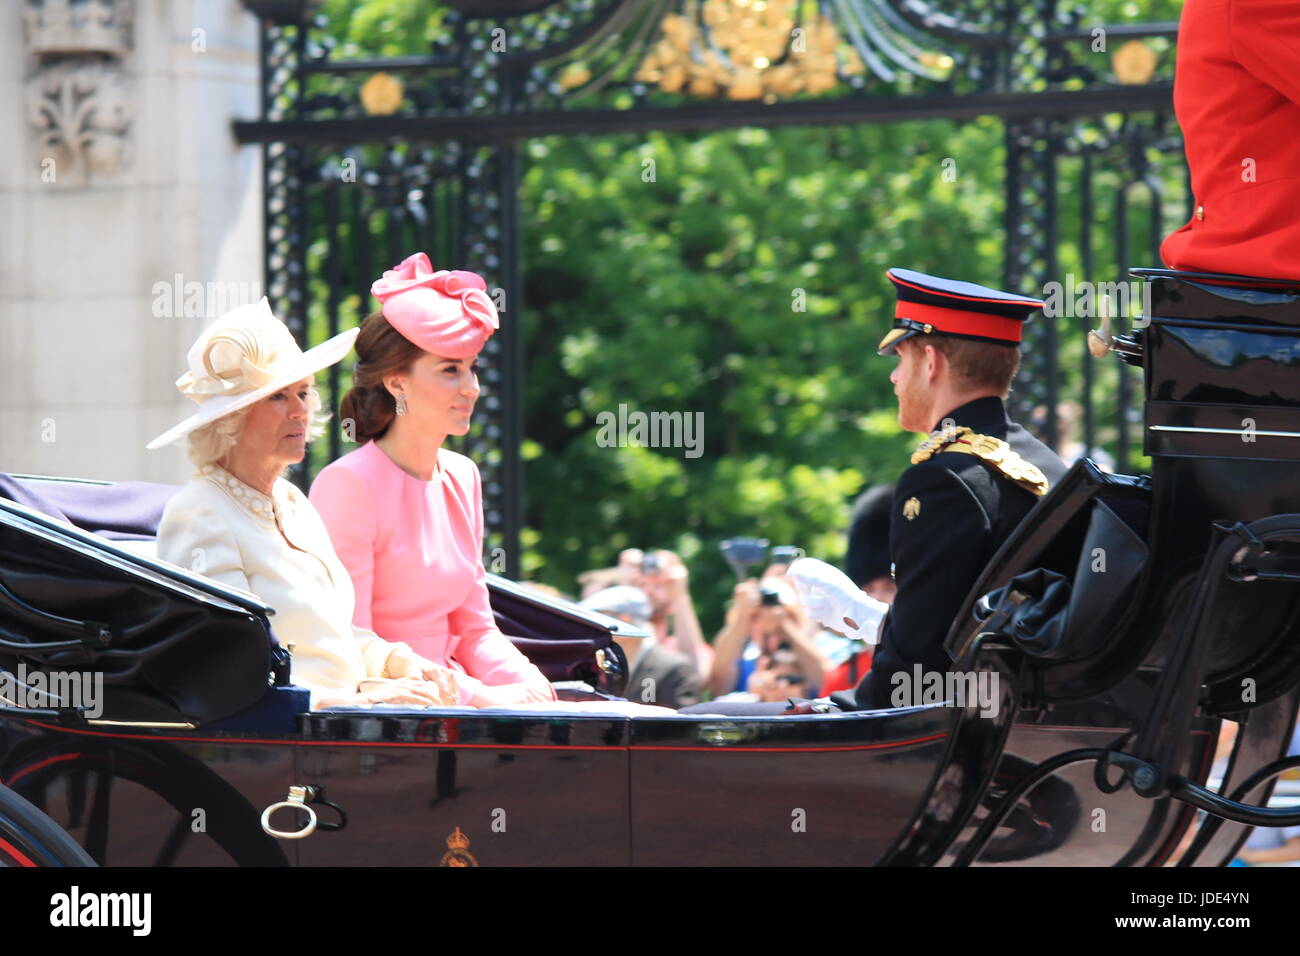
[122, 511]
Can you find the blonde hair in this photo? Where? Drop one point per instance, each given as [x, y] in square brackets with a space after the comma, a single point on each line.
[210, 443]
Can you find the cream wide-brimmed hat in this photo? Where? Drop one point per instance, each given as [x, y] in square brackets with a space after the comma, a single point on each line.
[243, 357]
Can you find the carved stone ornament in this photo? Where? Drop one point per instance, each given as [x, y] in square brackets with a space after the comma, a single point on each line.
[81, 114]
[78, 96]
[78, 26]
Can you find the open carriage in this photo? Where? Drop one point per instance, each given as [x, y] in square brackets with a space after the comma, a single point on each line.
[1126, 620]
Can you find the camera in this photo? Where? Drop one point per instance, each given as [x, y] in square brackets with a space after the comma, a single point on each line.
[743, 553]
[740, 553]
[769, 596]
[786, 554]
[650, 563]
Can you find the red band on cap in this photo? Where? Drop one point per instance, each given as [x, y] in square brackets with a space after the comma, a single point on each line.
[961, 322]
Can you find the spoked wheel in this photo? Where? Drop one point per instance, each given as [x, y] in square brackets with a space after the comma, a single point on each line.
[30, 838]
[75, 785]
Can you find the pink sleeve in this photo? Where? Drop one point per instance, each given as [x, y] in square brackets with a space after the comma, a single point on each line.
[345, 506]
[485, 653]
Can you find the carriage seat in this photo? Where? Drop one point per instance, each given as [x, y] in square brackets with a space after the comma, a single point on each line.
[1223, 279]
[126, 512]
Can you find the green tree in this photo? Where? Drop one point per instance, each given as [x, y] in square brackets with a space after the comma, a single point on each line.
[740, 276]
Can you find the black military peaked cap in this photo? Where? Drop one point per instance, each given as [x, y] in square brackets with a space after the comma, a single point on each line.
[930, 305]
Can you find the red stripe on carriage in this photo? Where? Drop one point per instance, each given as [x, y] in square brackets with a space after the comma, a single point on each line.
[804, 750]
[38, 765]
[434, 745]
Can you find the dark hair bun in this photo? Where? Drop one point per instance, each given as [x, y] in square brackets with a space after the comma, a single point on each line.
[368, 407]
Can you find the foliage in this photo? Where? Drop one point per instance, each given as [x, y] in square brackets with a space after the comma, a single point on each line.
[682, 293]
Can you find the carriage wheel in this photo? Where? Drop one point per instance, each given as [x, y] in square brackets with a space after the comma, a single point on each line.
[85, 773]
[30, 838]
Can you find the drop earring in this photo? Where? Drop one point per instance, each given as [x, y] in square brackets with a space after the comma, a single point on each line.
[401, 403]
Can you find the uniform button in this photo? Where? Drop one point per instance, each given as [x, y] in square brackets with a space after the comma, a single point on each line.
[1200, 212]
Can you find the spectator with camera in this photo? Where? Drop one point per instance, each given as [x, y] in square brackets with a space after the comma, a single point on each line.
[764, 616]
[655, 675]
[663, 577]
[778, 677]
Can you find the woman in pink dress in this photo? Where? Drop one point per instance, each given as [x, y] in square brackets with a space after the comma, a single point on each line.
[405, 514]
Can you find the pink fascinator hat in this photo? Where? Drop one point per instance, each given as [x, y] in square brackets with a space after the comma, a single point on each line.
[447, 313]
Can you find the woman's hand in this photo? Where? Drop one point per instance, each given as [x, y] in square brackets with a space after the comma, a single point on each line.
[414, 693]
[376, 690]
[404, 663]
[444, 678]
[628, 568]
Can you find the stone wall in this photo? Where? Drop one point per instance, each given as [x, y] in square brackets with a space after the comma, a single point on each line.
[122, 194]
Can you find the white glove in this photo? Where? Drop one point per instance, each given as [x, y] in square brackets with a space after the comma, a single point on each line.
[835, 602]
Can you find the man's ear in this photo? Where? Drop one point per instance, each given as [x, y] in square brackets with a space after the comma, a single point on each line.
[934, 362]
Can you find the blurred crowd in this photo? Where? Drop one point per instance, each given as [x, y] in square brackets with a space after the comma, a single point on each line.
[769, 649]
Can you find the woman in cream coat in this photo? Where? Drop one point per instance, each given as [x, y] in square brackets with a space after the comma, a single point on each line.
[238, 522]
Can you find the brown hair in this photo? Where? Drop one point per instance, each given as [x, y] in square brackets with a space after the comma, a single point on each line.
[978, 364]
[381, 350]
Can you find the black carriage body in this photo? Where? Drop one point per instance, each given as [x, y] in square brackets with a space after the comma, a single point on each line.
[527, 789]
[522, 788]
[185, 779]
[1137, 672]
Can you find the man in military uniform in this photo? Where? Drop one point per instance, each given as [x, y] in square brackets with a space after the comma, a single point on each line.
[969, 484]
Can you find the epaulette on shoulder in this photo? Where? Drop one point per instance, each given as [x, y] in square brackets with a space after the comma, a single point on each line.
[958, 438]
